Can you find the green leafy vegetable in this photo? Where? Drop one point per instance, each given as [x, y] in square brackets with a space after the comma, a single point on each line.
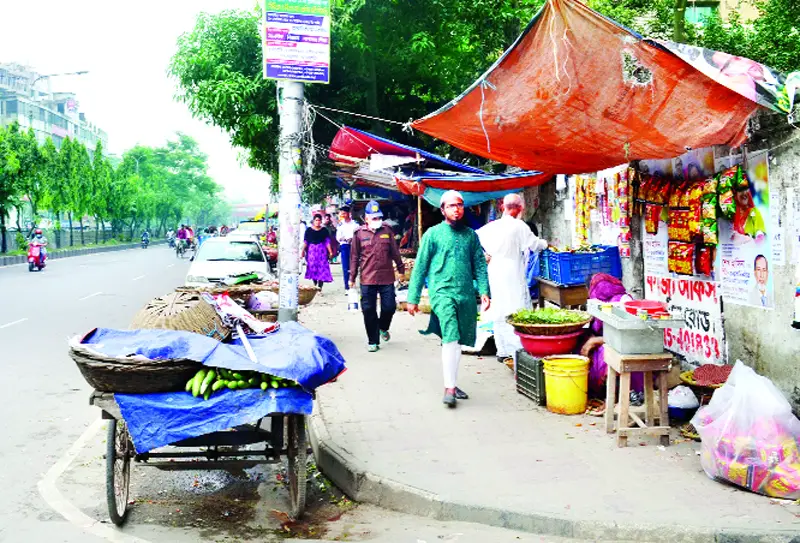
[548, 315]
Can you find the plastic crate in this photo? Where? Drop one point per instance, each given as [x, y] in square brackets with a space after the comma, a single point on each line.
[530, 377]
[575, 268]
[544, 264]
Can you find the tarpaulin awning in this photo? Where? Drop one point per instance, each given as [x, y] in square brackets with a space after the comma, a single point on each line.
[577, 93]
[369, 160]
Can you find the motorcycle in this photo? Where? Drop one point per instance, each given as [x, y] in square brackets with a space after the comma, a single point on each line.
[36, 259]
[180, 248]
[145, 242]
[171, 242]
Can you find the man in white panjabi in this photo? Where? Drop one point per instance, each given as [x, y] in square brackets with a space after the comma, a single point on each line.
[508, 243]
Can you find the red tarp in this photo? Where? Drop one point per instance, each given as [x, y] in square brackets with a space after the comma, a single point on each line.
[578, 93]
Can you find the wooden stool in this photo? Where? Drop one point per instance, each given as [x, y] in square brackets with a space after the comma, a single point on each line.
[565, 296]
[623, 365]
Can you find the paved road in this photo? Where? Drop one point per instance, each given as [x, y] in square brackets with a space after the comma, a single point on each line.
[46, 416]
[44, 405]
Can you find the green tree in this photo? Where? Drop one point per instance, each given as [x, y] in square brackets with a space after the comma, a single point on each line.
[9, 180]
[101, 188]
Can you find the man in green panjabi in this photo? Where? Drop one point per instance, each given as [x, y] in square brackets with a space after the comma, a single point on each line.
[452, 260]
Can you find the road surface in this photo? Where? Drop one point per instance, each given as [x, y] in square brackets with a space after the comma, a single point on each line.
[52, 471]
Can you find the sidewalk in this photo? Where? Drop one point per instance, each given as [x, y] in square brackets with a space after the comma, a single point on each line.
[383, 436]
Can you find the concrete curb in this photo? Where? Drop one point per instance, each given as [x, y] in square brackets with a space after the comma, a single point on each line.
[349, 474]
[22, 259]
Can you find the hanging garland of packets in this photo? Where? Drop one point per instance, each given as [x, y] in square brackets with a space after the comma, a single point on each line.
[691, 210]
[612, 198]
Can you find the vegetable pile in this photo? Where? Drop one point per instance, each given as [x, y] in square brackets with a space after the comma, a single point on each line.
[208, 381]
[711, 374]
[548, 315]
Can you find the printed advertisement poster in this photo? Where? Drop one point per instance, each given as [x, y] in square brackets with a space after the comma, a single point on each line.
[654, 249]
[657, 168]
[745, 244]
[694, 165]
[297, 40]
[702, 340]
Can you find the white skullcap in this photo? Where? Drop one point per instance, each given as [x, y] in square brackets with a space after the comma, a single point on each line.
[450, 195]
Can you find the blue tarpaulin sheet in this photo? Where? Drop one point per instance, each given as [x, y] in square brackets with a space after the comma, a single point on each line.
[154, 420]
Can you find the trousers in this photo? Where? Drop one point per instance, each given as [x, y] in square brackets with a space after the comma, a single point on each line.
[369, 307]
[451, 357]
[344, 250]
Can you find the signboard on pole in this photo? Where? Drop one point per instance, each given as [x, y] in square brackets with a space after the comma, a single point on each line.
[296, 36]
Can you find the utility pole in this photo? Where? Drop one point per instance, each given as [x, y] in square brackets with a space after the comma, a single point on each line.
[290, 106]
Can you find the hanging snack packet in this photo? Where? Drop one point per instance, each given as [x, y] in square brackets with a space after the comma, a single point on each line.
[652, 216]
[705, 260]
[710, 235]
[696, 209]
[725, 186]
[681, 258]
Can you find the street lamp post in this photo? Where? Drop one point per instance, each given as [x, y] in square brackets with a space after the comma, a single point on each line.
[48, 76]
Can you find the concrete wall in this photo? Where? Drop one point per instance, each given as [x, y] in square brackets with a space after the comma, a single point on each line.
[765, 339]
[762, 339]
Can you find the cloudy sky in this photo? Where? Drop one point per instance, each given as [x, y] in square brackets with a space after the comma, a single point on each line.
[126, 47]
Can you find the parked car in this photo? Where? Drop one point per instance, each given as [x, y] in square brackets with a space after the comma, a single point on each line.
[219, 258]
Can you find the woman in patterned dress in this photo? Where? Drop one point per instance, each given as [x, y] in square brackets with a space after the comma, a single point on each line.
[317, 251]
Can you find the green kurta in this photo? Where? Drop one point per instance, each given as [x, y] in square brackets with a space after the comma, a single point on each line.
[453, 262]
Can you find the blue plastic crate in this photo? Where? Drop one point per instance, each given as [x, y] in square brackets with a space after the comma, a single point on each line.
[575, 268]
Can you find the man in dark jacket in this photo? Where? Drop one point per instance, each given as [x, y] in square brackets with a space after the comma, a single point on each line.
[372, 253]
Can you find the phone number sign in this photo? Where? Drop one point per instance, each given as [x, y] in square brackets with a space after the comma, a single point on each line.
[296, 37]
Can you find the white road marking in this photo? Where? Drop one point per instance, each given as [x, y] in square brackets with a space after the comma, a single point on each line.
[54, 498]
[89, 296]
[140, 277]
[171, 265]
[10, 324]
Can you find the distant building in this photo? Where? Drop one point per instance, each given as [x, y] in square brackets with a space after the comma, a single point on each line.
[54, 115]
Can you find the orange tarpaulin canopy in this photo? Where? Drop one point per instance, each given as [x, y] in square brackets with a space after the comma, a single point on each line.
[579, 93]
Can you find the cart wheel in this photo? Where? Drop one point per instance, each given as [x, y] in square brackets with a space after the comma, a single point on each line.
[118, 471]
[296, 452]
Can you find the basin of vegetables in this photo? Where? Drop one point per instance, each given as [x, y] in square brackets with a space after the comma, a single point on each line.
[548, 321]
[548, 331]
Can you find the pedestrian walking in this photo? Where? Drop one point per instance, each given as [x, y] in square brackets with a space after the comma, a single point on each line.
[317, 252]
[372, 253]
[451, 259]
[344, 235]
[508, 242]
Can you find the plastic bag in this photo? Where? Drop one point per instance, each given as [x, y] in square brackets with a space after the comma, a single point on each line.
[750, 436]
[682, 397]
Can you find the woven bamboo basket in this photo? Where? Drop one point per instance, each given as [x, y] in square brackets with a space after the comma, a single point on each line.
[269, 315]
[548, 329]
[181, 311]
[134, 375]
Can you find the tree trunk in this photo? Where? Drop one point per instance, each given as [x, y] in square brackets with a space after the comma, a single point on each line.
[58, 230]
[3, 240]
[133, 225]
[80, 221]
[372, 73]
[103, 225]
[679, 22]
[69, 218]
[96, 231]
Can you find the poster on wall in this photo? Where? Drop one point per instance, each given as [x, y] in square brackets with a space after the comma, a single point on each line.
[745, 243]
[654, 249]
[702, 340]
[296, 39]
[694, 165]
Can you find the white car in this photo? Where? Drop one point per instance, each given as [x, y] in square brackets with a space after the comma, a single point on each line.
[218, 258]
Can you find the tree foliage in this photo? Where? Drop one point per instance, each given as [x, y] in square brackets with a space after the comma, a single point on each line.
[151, 187]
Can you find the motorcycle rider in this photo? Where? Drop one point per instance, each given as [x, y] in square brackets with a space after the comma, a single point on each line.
[171, 237]
[183, 236]
[39, 238]
[145, 237]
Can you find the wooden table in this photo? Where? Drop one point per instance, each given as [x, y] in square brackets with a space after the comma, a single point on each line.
[569, 297]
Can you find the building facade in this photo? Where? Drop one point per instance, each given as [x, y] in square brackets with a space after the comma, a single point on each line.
[51, 115]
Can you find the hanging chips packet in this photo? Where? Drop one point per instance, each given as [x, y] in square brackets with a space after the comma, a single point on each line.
[681, 258]
[726, 183]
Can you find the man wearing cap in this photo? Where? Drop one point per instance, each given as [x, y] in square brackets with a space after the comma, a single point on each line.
[372, 252]
[508, 241]
[344, 235]
[451, 258]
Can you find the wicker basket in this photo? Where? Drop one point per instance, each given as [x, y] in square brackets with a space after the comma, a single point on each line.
[181, 311]
[269, 315]
[242, 293]
[135, 375]
[548, 329]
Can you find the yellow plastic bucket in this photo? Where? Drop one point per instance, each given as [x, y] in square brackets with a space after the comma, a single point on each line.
[566, 382]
